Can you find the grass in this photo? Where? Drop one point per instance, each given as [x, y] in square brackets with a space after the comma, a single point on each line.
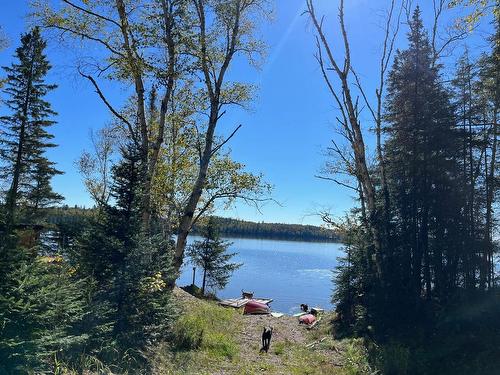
[206, 339]
[203, 341]
[209, 339]
[279, 348]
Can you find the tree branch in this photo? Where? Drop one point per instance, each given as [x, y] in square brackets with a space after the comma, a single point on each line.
[108, 104]
[217, 148]
[87, 11]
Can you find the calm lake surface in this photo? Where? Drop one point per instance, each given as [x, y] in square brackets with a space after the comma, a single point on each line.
[289, 272]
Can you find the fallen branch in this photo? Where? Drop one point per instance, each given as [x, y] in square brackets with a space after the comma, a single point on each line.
[316, 342]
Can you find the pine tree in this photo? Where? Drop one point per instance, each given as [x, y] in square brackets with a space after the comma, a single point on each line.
[212, 257]
[41, 307]
[421, 151]
[41, 303]
[25, 138]
[489, 90]
[130, 304]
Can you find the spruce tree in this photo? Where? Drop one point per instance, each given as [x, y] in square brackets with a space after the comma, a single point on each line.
[129, 302]
[489, 91]
[25, 139]
[421, 151]
[41, 302]
[212, 257]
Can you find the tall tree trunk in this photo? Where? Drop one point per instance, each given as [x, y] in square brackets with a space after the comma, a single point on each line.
[204, 281]
[188, 213]
[491, 179]
[149, 148]
[351, 125]
[13, 192]
[214, 82]
[490, 193]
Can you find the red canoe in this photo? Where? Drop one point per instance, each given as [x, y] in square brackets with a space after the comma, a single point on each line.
[307, 319]
[254, 307]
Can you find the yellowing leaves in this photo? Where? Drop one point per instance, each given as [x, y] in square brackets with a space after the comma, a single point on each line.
[153, 284]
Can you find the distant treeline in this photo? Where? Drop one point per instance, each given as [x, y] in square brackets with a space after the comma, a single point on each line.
[76, 216]
[240, 228]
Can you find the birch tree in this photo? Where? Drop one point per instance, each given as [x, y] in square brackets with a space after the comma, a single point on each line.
[338, 76]
[137, 45]
[224, 30]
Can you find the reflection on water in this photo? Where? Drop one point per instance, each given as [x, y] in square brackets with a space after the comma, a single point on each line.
[289, 272]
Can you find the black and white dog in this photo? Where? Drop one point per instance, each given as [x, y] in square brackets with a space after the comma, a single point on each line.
[266, 339]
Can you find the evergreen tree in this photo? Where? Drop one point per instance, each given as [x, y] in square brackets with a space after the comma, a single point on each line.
[353, 280]
[489, 91]
[473, 115]
[25, 138]
[41, 309]
[41, 303]
[212, 257]
[421, 150]
[130, 304]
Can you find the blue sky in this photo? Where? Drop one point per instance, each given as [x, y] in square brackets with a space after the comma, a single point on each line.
[284, 133]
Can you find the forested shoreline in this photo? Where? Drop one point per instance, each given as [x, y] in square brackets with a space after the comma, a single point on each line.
[229, 227]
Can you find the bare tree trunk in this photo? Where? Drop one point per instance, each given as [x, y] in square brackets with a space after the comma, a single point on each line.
[350, 122]
[490, 193]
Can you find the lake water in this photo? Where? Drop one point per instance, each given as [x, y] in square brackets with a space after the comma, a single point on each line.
[289, 272]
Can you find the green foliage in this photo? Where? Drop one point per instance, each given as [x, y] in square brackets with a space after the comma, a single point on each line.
[394, 358]
[424, 180]
[211, 256]
[354, 280]
[428, 309]
[41, 306]
[204, 328]
[479, 9]
[188, 332]
[279, 348]
[356, 359]
[25, 138]
[130, 305]
[240, 228]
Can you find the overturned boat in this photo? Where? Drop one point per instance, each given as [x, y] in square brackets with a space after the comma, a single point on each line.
[254, 307]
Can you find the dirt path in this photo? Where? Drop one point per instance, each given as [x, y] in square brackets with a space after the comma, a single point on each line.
[286, 329]
[290, 352]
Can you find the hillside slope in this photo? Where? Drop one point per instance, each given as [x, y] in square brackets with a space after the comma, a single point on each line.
[215, 340]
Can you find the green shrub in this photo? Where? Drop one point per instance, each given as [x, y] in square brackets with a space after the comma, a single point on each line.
[40, 308]
[188, 332]
[395, 359]
[357, 359]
